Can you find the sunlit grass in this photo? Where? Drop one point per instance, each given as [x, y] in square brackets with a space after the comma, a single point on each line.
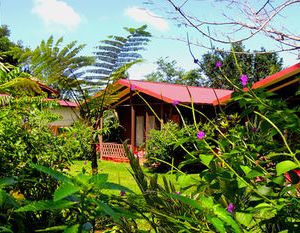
[119, 173]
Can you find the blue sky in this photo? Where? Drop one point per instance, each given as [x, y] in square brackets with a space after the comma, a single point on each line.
[89, 21]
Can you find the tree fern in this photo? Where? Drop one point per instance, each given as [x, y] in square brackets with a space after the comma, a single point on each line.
[56, 64]
[113, 53]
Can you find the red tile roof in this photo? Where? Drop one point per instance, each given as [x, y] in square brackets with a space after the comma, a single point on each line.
[268, 81]
[64, 103]
[175, 92]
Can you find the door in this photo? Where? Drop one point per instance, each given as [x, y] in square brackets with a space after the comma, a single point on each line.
[139, 130]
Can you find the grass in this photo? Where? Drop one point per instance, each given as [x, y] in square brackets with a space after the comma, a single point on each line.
[119, 173]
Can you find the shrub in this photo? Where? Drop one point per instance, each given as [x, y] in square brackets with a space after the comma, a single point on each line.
[25, 137]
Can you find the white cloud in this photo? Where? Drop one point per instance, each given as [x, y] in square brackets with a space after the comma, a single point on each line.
[56, 14]
[146, 16]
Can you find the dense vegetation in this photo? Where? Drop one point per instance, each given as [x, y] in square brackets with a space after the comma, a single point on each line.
[247, 181]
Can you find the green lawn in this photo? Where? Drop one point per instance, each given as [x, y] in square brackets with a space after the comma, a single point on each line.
[120, 173]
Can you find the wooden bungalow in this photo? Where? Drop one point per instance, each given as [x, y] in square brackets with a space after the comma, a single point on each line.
[285, 83]
[66, 109]
[142, 106]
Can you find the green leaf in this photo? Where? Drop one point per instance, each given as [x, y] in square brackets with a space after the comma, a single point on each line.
[285, 166]
[279, 180]
[108, 210]
[186, 181]
[72, 229]
[56, 228]
[46, 205]
[241, 183]
[207, 202]
[243, 218]
[226, 217]
[187, 201]
[245, 169]
[264, 190]
[66, 189]
[218, 224]
[264, 206]
[7, 200]
[7, 181]
[55, 174]
[5, 230]
[254, 173]
[113, 186]
[206, 159]
[99, 179]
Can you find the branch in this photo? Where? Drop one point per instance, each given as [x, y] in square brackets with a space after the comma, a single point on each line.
[256, 21]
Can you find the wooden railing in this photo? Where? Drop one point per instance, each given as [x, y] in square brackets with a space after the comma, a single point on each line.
[116, 152]
[113, 151]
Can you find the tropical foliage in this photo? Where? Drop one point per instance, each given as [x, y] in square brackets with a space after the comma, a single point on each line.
[10, 52]
[256, 64]
[247, 181]
[115, 52]
[56, 64]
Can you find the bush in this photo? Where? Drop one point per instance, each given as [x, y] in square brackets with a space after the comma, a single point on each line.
[251, 179]
[25, 137]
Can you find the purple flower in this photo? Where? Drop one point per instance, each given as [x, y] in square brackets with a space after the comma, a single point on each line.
[218, 64]
[230, 208]
[196, 60]
[223, 130]
[132, 87]
[244, 80]
[178, 193]
[75, 135]
[84, 162]
[175, 102]
[254, 129]
[122, 193]
[200, 135]
[229, 118]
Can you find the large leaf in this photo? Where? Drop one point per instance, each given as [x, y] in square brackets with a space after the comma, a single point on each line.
[206, 159]
[7, 181]
[46, 205]
[56, 228]
[55, 174]
[6, 200]
[187, 201]
[99, 179]
[218, 224]
[244, 218]
[113, 186]
[65, 190]
[285, 166]
[72, 229]
[226, 217]
[5, 230]
[109, 211]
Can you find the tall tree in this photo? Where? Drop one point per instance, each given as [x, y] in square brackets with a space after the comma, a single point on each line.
[167, 71]
[113, 53]
[256, 65]
[10, 52]
[56, 64]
